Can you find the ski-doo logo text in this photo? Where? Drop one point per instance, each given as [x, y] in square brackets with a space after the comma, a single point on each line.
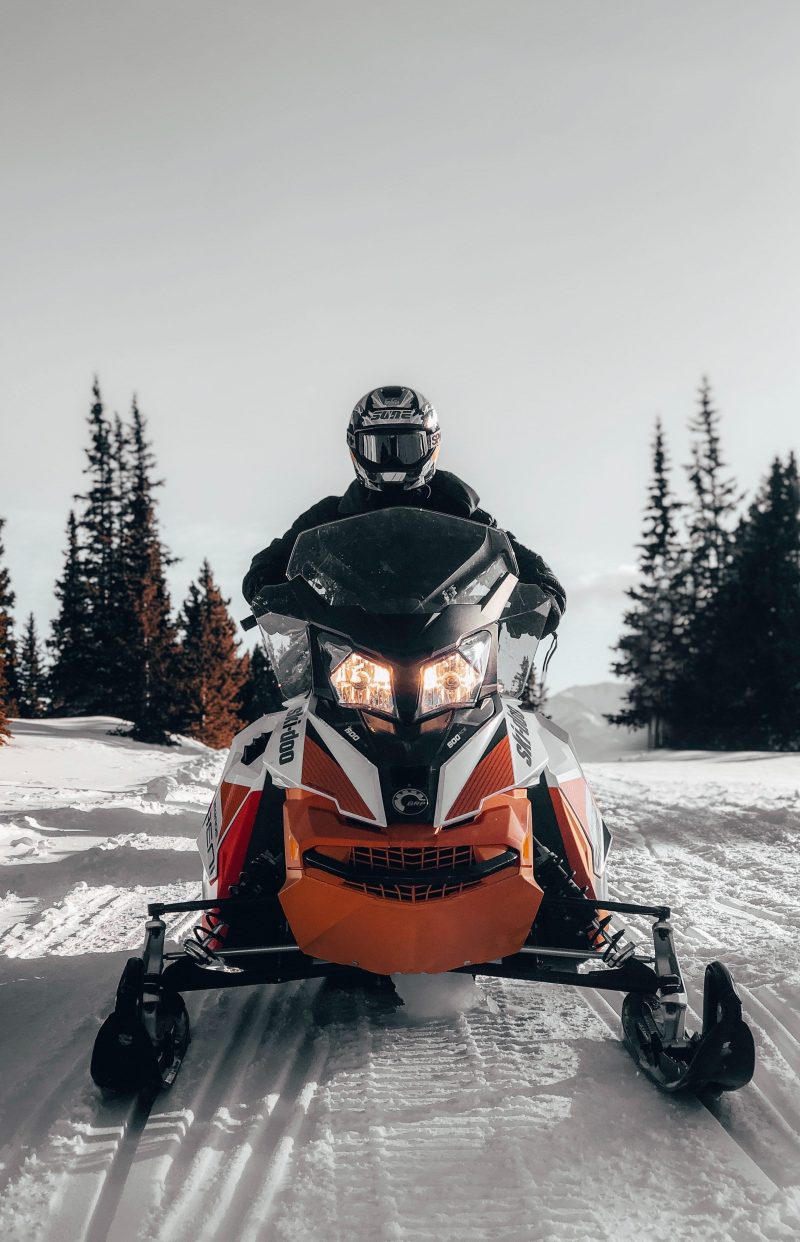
[410, 801]
[520, 734]
[289, 735]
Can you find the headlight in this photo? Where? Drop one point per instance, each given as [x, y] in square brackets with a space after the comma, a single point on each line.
[360, 682]
[455, 679]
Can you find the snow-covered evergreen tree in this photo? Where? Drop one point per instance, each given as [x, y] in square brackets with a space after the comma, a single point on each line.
[148, 673]
[8, 705]
[754, 668]
[714, 498]
[72, 670]
[98, 527]
[32, 677]
[649, 649]
[212, 672]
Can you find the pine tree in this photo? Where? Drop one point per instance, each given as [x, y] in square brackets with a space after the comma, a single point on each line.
[714, 499]
[260, 690]
[754, 667]
[148, 675]
[4, 730]
[72, 672]
[212, 672]
[8, 705]
[32, 679]
[100, 561]
[649, 648]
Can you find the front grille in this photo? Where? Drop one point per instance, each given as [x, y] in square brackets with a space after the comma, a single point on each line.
[411, 873]
[405, 858]
[412, 892]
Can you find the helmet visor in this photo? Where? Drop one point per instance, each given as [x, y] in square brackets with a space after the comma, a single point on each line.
[392, 448]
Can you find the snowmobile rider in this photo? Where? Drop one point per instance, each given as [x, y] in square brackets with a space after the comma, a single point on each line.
[394, 441]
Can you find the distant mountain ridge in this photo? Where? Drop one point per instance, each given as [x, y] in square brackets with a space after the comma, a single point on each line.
[581, 711]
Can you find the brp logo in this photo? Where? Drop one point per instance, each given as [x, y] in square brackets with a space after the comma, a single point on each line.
[410, 801]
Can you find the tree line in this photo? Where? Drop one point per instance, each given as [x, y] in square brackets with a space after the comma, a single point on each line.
[710, 649]
[711, 644]
[116, 647]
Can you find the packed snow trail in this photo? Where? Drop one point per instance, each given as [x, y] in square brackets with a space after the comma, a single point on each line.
[302, 1111]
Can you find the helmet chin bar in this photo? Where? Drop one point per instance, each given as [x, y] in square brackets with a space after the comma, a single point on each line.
[387, 483]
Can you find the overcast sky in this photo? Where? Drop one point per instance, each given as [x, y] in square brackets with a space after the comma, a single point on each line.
[552, 218]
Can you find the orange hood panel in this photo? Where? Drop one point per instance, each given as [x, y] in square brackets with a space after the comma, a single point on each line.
[340, 922]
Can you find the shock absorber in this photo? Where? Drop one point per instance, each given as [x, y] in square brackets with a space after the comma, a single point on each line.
[208, 937]
[211, 930]
[557, 880]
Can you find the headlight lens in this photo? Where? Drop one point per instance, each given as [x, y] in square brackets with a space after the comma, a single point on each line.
[360, 682]
[455, 679]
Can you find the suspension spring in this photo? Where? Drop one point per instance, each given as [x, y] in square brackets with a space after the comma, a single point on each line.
[558, 880]
[208, 937]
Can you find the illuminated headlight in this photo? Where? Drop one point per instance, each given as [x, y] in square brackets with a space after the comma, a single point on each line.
[455, 679]
[360, 682]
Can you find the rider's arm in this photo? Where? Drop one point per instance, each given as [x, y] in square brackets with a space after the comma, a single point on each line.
[268, 568]
[534, 569]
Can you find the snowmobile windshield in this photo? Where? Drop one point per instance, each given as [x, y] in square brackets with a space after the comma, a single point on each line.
[401, 561]
[403, 581]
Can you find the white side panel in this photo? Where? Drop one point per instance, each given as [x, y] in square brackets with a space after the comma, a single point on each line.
[561, 758]
[283, 757]
[595, 822]
[239, 772]
[563, 763]
[359, 770]
[248, 776]
[454, 774]
[528, 751]
[208, 840]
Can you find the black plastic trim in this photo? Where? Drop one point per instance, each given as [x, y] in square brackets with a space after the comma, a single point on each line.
[438, 876]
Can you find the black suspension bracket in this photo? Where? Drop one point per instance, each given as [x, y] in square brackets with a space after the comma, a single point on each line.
[561, 891]
[671, 988]
[605, 903]
[153, 958]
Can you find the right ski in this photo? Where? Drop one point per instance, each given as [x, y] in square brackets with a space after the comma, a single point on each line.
[722, 1058]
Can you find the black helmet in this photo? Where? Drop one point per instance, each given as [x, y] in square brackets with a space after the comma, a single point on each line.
[393, 438]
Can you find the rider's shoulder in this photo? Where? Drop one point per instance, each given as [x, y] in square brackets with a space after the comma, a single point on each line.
[448, 486]
[325, 510]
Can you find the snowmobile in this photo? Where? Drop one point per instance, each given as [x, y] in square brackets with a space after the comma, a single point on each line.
[405, 811]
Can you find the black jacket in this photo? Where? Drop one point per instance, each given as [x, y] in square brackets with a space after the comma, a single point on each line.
[446, 493]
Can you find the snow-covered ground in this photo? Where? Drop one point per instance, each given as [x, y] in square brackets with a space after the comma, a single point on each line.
[488, 1110]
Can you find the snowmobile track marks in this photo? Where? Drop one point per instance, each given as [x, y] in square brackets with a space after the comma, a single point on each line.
[457, 1103]
[185, 1173]
[91, 920]
[744, 1150]
[114, 1182]
[752, 912]
[776, 1109]
[208, 1182]
[285, 1123]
